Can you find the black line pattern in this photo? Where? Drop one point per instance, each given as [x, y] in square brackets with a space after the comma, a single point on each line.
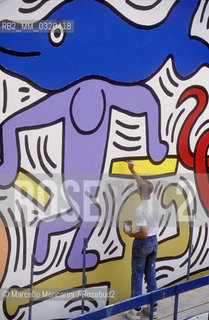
[163, 87]
[172, 81]
[201, 126]
[122, 135]
[143, 8]
[127, 188]
[108, 247]
[106, 213]
[168, 124]
[113, 250]
[27, 149]
[195, 247]
[49, 160]
[203, 11]
[52, 260]
[175, 124]
[23, 233]
[112, 213]
[166, 224]
[4, 109]
[62, 254]
[202, 247]
[11, 213]
[127, 126]
[33, 9]
[41, 160]
[118, 146]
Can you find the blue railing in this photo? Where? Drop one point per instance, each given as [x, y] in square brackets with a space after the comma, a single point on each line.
[149, 298]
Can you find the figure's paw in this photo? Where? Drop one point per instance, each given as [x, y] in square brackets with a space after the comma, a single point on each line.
[92, 259]
[160, 152]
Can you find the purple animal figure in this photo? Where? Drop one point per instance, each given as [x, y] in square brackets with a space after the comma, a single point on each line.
[84, 109]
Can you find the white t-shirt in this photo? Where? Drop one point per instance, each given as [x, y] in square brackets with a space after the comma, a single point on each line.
[147, 214]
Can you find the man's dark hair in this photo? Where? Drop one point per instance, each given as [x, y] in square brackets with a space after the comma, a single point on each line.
[146, 188]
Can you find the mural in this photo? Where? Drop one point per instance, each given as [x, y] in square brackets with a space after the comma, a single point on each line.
[108, 81]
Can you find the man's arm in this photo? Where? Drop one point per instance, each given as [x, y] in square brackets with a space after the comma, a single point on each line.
[141, 234]
[138, 179]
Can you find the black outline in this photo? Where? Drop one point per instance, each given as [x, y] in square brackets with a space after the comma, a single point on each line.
[190, 27]
[85, 132]
[5, 94]
[27, 150]
[134, 24]
[12, 216]
[24, 242]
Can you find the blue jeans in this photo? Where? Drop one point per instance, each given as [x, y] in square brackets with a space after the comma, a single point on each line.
[144, 253]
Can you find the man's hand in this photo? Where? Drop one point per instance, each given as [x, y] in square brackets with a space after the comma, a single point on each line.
[129, 233]
[130, 166]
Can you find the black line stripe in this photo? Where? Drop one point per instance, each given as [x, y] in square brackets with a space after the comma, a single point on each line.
[169, 268]
[159, 192]
[168, 123]
[127, 188]
[33, 221]
[22, 10]
[203, 11]
[172, 81]
[163, 276]
[17, 236]
[25, 98]
[198, 240]
[23, 234]
[21, 316]
[194, 249]
[161, 220]
[163, 87]
[127, 126]
[61, 255]
[53, 259]
[78, 308]
[156, 187]
[4, 109]
[118, 146]
[79, 298]
[49, 160]
[166, 224]
[203, 246]
[29, 1]
[112, 213]
[124, 136]
[27, 149]
[35, 212]
[106, 213]
[201, 126]
[3, 198]
[175, 123]
[204, 257]
[143, 8]
[113, 250]
[40, 159]
[24, 89]
[20, 54]
[193, 194]
[207, 25]
[109, 246]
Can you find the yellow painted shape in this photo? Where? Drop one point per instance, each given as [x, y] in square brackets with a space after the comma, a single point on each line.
[169, 165]
[32, 188]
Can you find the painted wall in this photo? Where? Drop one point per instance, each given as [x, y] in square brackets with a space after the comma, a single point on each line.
[126, 80]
